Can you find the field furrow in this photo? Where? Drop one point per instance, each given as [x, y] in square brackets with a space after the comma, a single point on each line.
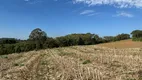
[73, 63]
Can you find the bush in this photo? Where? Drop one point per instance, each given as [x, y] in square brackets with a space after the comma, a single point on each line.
[122, 36]
[9, 48]
[137, 39]
[51, 43]
[17, 48]
[137, 35]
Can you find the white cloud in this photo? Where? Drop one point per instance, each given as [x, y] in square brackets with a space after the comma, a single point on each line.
[115, 3]
[33, 1]
[87, 12]
[26, 0]
[124, 14]
[92, 14]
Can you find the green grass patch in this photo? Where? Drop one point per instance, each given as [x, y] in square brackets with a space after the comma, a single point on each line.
[140, 74]
[4, 56]
[17, 64]
[86, 62]
[65, 54]
[44, 63]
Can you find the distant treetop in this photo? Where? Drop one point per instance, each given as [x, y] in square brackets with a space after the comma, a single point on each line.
[37, 34]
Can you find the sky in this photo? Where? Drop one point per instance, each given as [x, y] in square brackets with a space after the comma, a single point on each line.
[61, 17]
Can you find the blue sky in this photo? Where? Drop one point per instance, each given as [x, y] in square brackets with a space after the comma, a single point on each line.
[61, 17]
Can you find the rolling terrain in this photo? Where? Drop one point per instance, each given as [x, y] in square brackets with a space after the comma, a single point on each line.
[92, 62]
[123, 44]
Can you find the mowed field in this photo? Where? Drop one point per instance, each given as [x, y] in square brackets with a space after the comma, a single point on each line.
[74, 63]
[123, 44]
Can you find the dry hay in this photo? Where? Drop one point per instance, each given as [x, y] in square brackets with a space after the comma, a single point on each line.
[73, 63]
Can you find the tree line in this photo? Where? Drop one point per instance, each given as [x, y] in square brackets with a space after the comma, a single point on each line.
[136, 35]
[38, 39]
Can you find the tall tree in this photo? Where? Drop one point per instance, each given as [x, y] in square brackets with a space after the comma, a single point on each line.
[37, 34]
[39, 37]
[137, 34]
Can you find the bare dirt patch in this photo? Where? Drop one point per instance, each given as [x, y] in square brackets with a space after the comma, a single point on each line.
[122, 44]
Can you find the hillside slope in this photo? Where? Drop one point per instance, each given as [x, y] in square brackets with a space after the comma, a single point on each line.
[73, 63]
[122, 44]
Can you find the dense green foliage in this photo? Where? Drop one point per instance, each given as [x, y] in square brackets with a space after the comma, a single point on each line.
[50, 43]
[109, 38]
[116, 38]
[17, 48]
[122, 36]
[137, 35]
[8, 41]
[38, 40]
[37, 34]
[38, 37]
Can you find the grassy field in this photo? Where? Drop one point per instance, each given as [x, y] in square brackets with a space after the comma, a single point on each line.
[123, 44]
[74, 63]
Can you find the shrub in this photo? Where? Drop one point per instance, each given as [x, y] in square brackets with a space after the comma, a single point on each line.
[51, 43]
[8, 41]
